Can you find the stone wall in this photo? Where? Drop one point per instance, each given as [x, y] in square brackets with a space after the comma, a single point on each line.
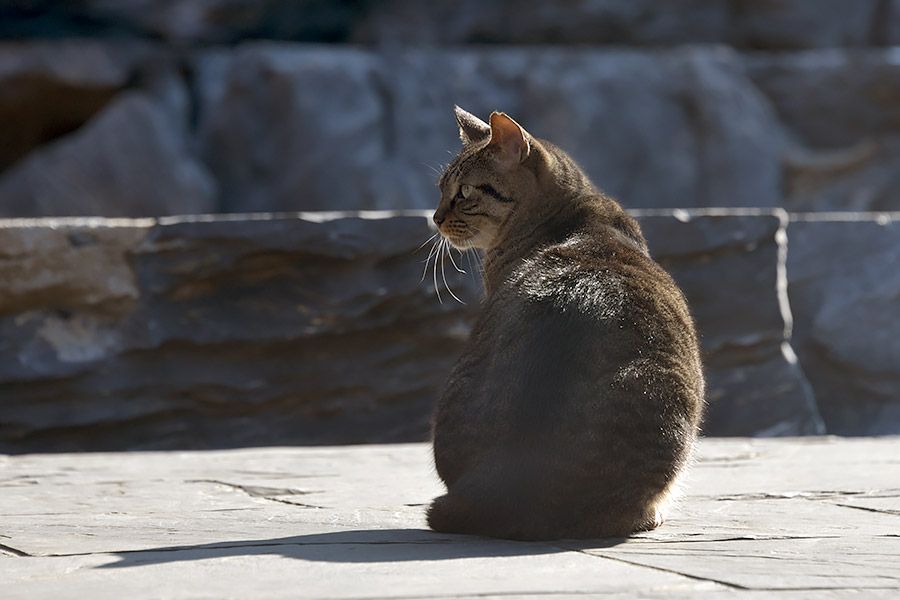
[152, 329]
[133, 108]
[318, 328]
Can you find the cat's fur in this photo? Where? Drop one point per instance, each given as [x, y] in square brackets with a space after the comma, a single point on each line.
[576, 402]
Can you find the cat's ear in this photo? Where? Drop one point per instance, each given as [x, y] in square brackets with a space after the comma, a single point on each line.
[509, 137]
[471, 128]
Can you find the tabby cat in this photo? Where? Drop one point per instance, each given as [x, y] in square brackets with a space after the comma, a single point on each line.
[576, 402]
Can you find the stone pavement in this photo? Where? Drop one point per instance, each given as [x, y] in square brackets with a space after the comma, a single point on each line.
[783, 518]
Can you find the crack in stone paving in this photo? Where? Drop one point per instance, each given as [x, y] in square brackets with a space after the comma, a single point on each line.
[743, 538]
[809, 495]
[883, 511]
[661, 569]
[14, 551]
[737, 586]
[266, 493]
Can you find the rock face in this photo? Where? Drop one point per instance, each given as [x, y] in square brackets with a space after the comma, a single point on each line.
[84, 174]
[844, 287]
[831, 98]
[684, 129]
[222, 333]
[276, 126]
[129, 108]
[784, 25]
[48, 89]
[749, 24]
[199, 333]
[727, 263]
[275, 146]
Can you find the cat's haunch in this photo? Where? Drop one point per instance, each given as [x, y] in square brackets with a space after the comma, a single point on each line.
[575, 405]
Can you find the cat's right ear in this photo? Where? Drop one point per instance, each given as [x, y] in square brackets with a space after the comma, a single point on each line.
[471, 128]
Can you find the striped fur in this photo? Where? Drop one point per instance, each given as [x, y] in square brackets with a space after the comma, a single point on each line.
[574, 407]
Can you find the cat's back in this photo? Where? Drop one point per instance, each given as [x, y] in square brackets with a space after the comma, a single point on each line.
[575, 404]
[600, 282]
[579, 332]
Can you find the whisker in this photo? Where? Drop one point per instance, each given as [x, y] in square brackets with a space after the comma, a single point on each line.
[437, 291]
[426, 241]
[453, 262]
[444, 275]
[430, 254]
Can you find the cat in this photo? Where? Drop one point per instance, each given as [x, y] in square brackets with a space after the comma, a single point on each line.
[576, 403]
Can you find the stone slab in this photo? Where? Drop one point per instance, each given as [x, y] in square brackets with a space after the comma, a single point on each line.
[312, 328]
[779, 518]
[844, 286]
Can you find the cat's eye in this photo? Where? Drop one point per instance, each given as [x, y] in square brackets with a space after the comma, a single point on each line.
[465, 189]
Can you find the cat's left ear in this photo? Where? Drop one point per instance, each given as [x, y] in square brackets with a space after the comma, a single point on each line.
[471, 129]
[509, 137]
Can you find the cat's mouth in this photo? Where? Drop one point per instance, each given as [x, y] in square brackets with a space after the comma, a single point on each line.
[457, 236]
[459, 242]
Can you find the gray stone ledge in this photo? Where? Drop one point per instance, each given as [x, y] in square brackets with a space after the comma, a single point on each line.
[294, 328]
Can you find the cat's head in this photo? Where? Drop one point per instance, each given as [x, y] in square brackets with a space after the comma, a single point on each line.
[494, 177]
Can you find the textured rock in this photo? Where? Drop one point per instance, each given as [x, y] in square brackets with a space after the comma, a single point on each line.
[832, 98]
[275, 143]
[130, 160]
[844, 287]
[749, 24]
[683, 128]
[198, 333]
[797, 24]
[242, 332]
[787, 24]
[844, 108]
[225, 21]
[862, 177]
[727, 263]
[48, 89]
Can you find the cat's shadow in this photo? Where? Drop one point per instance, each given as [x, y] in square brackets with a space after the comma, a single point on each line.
[356, 546]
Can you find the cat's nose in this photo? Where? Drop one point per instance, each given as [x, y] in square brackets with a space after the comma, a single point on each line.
[439, 217]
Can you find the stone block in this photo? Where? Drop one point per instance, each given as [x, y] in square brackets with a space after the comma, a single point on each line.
[844, 288]
[226, 333]
[51, 88]
[677, 129]
[861, 177]
[319, 328]
[831, 98]
[130, 160]
[728, 263]
[746, 24]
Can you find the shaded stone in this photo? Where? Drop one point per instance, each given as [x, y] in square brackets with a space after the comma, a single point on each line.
[844, 287]
[862, 177]
[244, 332]
[784, 25]
[273, 144]
[51, 88]
[676, 129]
[727, 264]
[832, 98]
[131, 160]
[319, 328]
[226, 21]
[797, 24]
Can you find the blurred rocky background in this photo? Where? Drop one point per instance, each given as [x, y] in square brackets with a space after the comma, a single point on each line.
[758, 142]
